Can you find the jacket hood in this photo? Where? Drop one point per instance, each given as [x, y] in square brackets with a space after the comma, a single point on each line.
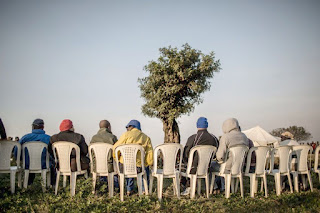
[229, 125]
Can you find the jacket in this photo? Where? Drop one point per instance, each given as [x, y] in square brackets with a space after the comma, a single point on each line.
[135, 136]
[232, 137]
[104, 135]
[203, 137]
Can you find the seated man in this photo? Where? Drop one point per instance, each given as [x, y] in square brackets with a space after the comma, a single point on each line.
[37, 134]
[105, 135]
[67, 134]
[134, 135]
[203, 137]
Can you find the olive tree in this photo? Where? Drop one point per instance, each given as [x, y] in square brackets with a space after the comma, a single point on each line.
[174, 85]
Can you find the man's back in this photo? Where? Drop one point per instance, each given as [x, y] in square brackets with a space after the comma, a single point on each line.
[104, 135]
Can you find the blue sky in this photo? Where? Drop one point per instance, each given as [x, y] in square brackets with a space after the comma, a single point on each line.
[81, 60]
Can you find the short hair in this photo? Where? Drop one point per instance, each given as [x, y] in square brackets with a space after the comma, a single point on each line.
[104, 124]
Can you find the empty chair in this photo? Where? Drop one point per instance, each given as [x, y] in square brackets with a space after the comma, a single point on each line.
[35, 149]
[284, 153]
[62, 151]
[6, 148]
[205, 153]
[260, 169]
[238, 153]
[169, 154]
[129, 156]
[99, 163]
[302, 169]
[316, 161]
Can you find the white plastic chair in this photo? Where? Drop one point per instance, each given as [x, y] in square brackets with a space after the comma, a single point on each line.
[238, 156]
[6, 148]
[62, 151]
[302, 152]
[284, 153]
[205, 153]
[99, 165]
[129, 156]
[260, 169]
[170, 153]
[35, 149]
[316, 161]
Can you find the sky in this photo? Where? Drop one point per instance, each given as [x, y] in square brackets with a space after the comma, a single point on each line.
[80, 60]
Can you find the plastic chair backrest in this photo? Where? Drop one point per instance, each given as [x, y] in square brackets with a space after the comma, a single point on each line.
[238, 153]
[101, 151]
[170, 153]
[6, 148]
[261, 158]
[316, 158]
[205, 152]
[129, 156]
[284, 153]
[62, 151]
[302, 152]
[35, 149]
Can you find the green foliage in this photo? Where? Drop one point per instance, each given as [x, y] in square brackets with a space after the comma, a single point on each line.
[176, 81]
[299, 132]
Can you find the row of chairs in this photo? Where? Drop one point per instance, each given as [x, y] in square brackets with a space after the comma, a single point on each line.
[171, 167]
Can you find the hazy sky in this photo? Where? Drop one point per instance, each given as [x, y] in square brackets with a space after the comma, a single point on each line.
[81, 60]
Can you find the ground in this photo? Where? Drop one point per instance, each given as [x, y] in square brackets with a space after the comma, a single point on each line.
[34, 200]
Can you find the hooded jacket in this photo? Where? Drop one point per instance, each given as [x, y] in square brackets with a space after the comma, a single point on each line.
[232, 137]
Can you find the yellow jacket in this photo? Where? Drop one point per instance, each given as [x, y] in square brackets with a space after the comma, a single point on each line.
[135, 136]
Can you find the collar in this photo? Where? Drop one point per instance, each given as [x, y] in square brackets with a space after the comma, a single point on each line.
[38, 131]
[104, 130]
[202, 130]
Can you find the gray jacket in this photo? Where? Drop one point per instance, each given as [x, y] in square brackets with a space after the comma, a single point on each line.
[232, 137]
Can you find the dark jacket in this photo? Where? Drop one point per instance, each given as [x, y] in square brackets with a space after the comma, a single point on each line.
[203, 137]
[2, 131]
[73, 137]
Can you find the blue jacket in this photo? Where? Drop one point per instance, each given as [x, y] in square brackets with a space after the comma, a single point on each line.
[36, 135]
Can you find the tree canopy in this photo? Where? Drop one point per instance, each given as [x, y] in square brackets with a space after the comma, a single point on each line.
[299, 133]
[176, 81]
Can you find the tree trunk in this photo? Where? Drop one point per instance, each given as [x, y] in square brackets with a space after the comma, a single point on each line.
[171, 131]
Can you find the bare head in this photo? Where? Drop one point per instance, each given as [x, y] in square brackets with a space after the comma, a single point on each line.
[105, 124]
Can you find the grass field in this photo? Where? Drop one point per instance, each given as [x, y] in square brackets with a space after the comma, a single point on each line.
[34, 200]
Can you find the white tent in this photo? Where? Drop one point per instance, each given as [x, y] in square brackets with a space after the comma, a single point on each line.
[259, 136]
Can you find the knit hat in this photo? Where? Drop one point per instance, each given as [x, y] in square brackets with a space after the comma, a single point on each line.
[134, 123]
[202, 123]
[65, 125]
[38, 122]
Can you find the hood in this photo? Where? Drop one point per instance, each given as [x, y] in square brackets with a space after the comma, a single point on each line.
[229, 125]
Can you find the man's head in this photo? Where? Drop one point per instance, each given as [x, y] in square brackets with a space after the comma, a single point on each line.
[66, 125]
[286, 136]
[133, 124]
[38, 124]
[202, 123]
[105, 124]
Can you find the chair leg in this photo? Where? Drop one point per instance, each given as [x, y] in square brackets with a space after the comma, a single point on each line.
[151, 183]
[310, 181]
[174, 181]
[193, 184]
[212, 182]
[207, 185]
[48, 179]
[65, 181]
[252, 183]
[290, 182]
[111, 184]
[178, 185]
[241, 186]
[236, 185]
[94, 180]
[256, 185]
[121, 184]
[265, 185]
[139, 183]
[145, 183]
[278, 184]
[26, 178]
[19, 179]
[199, 186]
[44, 180]
[232, 185]
[73, 181]
[12, 181]
[295, 181]
[57, 182]
[227, 185]
[304, 182]
[262, 183]
[160, 187]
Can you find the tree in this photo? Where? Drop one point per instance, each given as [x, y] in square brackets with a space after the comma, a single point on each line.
[175, 84]
[299, 133]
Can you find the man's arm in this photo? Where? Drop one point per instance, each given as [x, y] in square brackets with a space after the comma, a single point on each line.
[187, 149]
[221, 150]
[83, 146]
[149, 153]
